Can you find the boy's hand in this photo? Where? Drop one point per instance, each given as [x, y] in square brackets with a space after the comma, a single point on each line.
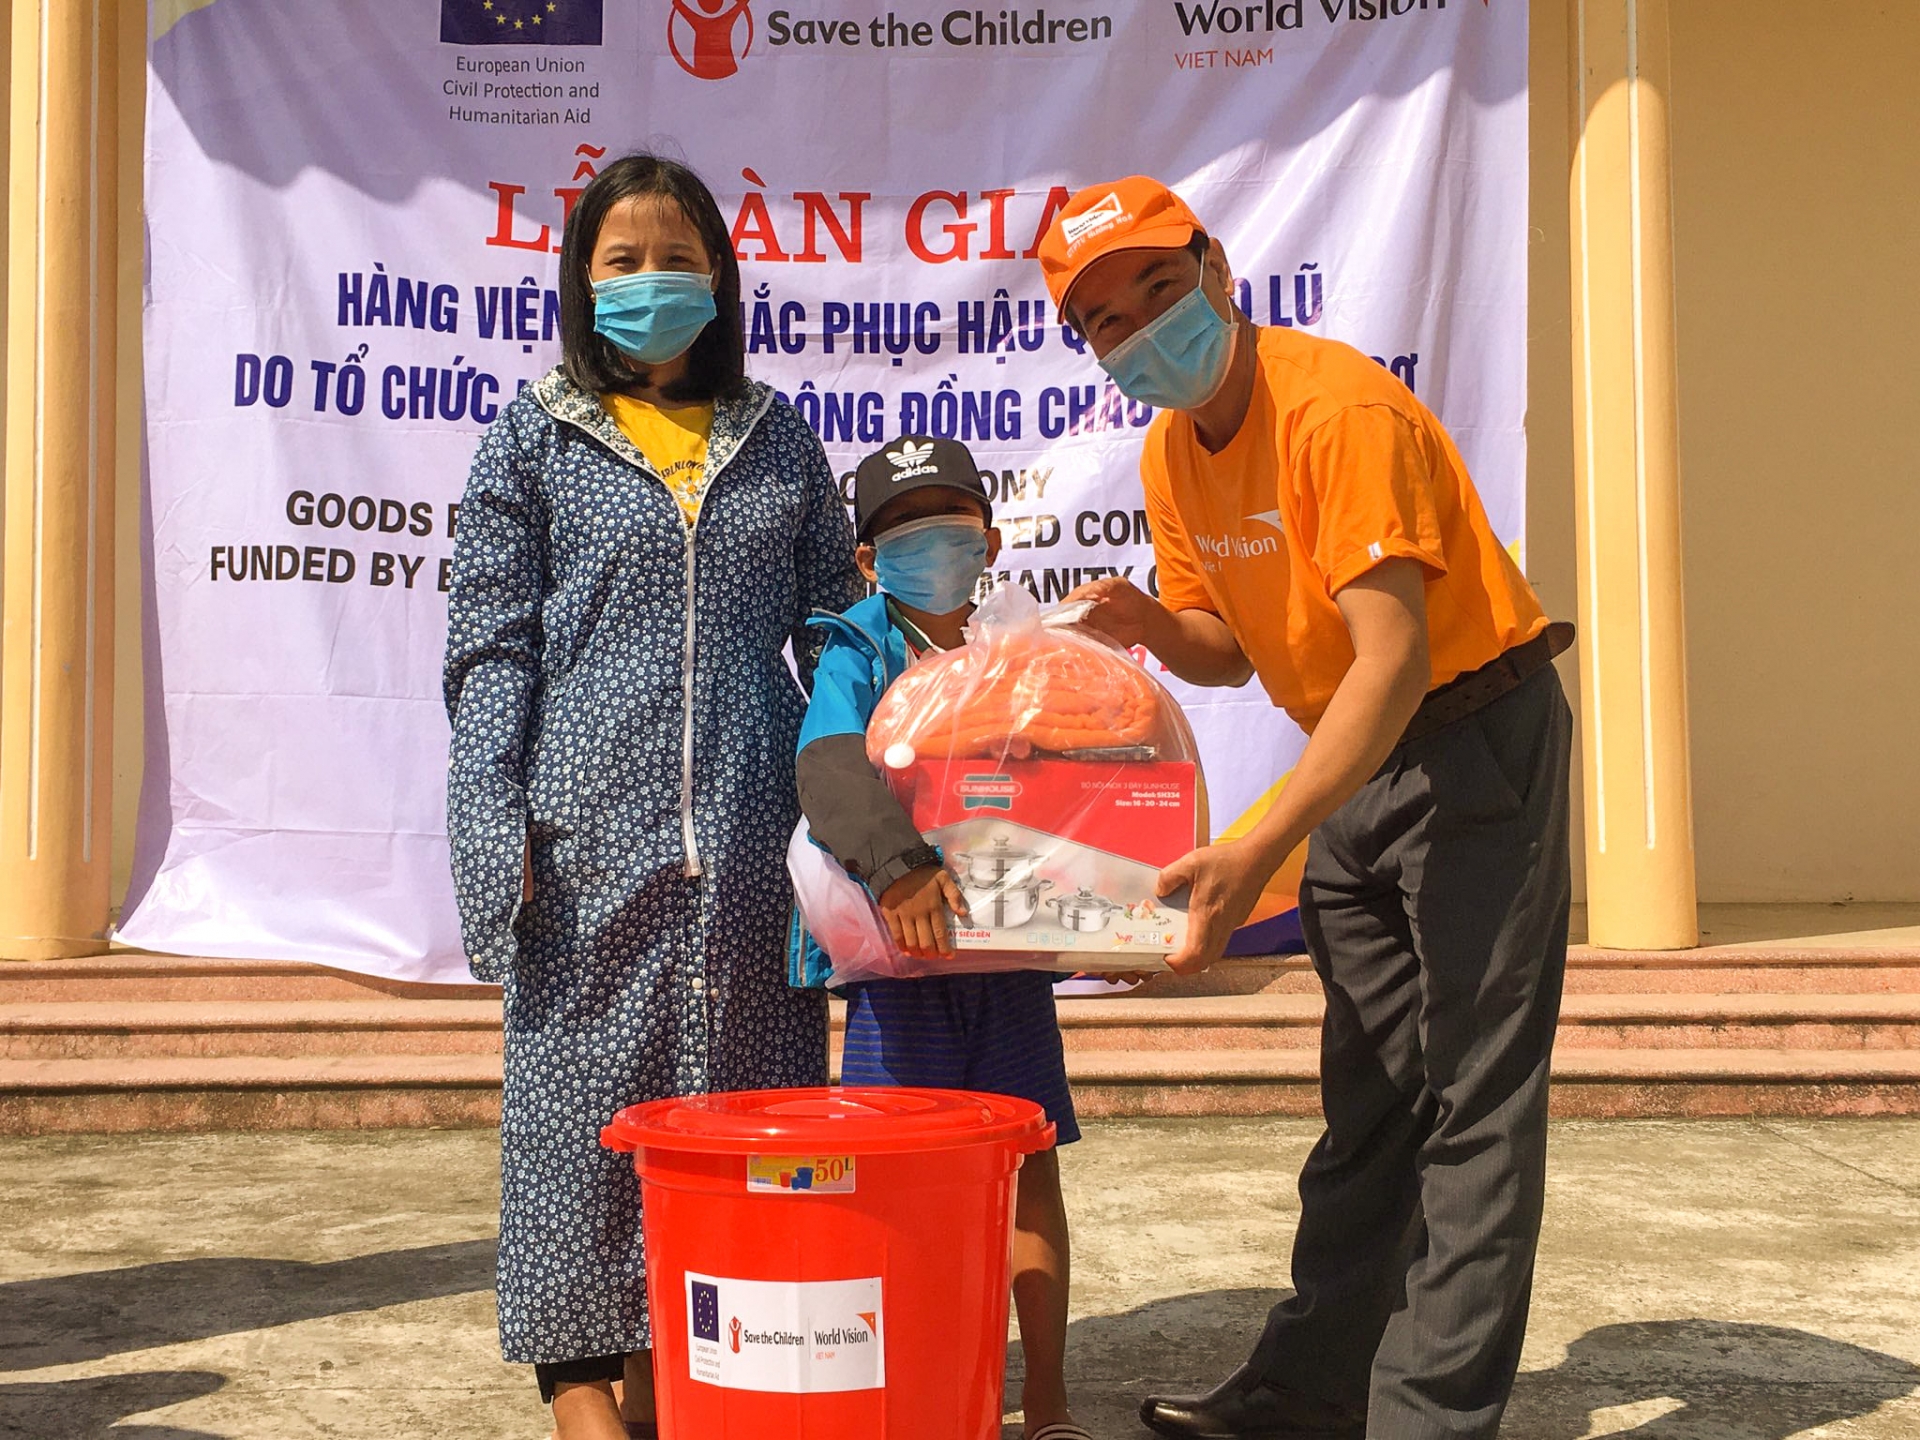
[916, 907]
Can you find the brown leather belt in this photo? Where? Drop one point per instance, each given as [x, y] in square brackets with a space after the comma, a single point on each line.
[1477, 689]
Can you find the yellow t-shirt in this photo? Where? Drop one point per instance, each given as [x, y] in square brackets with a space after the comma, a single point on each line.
[674, 442]
[1336, 468]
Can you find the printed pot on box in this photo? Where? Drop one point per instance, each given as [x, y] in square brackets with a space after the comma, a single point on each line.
[1083, 910]
[999, 864]
[1004, 907]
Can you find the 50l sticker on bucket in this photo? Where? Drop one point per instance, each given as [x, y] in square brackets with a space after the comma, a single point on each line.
[800, 1337]
[801, 1174]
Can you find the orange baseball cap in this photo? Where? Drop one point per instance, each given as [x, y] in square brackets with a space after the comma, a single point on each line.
[1137, 213]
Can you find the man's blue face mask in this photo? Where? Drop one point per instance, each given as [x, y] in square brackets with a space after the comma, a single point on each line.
[1179, 361]
[653, 315]
[932, 565]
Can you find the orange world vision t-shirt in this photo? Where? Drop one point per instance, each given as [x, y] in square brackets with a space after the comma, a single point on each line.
[1336, 468]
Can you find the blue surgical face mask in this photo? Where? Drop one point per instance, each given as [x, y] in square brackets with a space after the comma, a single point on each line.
[1179, 361]
[653, 315]
[933, 564]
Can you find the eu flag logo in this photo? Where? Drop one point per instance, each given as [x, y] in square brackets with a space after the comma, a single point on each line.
[520, 22]
[706, 1311]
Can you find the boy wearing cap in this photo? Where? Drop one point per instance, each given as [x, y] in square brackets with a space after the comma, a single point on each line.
[1315, 528]
[925, 528]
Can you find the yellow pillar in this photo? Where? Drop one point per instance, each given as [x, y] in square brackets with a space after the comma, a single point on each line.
[56, 589]
[1639, 810]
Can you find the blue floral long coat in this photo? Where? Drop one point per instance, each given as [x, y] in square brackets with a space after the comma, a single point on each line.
[619, 698]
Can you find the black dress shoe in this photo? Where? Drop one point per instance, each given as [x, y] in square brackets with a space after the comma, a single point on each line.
[1245, 1406]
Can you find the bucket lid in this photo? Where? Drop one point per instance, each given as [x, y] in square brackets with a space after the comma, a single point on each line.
[834, 1120]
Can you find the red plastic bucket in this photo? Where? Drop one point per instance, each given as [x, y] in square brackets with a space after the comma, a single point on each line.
[829, 1264]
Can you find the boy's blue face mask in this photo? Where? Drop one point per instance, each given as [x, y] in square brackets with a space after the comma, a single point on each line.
[653, 315]
[1179, 361]
[932, 564]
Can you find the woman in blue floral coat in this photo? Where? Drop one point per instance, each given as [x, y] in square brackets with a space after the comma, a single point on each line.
[643, 531]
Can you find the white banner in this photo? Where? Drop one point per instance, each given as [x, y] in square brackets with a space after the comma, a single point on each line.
[354, 209]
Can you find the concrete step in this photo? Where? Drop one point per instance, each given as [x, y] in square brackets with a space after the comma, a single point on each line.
[1587, 1083]
[137, 1042]
[1587, 1021]
[1726, 969]
[127, 976]
[1714, 970]
[117, 1030]
[1741, 1022]
[1743, 970]
[245, 1092]
[39, 1097]
[317, 1028]
[1700, 1084]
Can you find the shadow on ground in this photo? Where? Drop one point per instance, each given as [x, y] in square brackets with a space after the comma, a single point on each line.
[87, 1409]
[1712, 1380]
[73, 1319]
[1696, 1379]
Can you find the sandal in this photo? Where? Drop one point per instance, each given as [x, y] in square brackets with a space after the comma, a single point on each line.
[1060, 1430]
[643, 1430]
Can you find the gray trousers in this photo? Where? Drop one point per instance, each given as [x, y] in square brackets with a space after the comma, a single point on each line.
[1435, 908]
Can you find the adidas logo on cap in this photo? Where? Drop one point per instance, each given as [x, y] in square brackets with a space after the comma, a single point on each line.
[910, 461]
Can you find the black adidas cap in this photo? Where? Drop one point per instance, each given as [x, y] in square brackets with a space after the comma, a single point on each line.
[914, 462]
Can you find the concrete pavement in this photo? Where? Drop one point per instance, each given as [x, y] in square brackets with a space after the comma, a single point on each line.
[1699, 1280]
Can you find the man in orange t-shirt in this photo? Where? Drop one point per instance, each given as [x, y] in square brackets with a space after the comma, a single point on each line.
[1315, 527]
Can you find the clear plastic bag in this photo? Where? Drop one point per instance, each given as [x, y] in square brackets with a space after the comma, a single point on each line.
[1058, 777]
[1028, 682]
[842, 918]
[839, 914]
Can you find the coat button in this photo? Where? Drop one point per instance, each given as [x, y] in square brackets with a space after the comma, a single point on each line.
[698, 983]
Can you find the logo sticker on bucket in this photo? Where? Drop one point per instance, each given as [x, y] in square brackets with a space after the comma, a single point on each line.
[800, 1174]
[803, 1337]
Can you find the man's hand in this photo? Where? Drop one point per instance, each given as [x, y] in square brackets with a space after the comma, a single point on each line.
[1122, 611]
[1226, 880]
[916, 906]
[1196, 645]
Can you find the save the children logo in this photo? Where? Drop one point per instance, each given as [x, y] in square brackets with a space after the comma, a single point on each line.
[520, 22]
[708, 37]
[733, 1334]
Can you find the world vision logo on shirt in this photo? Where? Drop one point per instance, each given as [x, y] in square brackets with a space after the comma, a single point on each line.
[1270, 517]
[1214, 549]
[520, 22]
[709, 38]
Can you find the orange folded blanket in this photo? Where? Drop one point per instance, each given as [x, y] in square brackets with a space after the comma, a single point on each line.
[1025, 690]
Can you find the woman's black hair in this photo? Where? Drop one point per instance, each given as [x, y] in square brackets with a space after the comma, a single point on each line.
[717, 363]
